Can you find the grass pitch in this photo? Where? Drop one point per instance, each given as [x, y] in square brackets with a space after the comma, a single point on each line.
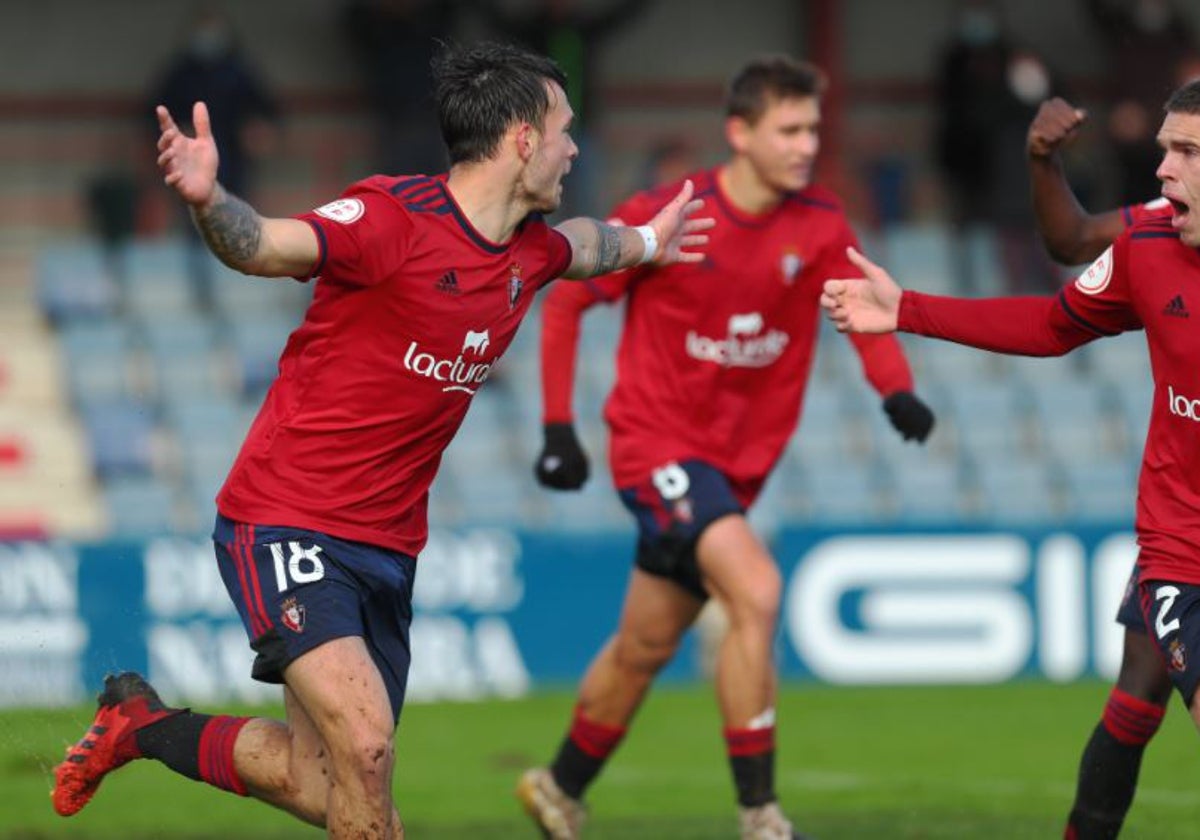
[986, 762]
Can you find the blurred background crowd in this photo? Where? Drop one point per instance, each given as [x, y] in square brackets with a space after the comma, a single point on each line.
[132, 363]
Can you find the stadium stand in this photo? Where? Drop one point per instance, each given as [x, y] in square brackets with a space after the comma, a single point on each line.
[158, 392]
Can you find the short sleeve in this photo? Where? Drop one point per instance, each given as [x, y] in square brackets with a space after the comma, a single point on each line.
[364, 237]
[1099, 299]
[1131, 214]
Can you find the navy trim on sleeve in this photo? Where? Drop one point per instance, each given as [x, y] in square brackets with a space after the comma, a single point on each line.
[1080, 320]
[322, 247]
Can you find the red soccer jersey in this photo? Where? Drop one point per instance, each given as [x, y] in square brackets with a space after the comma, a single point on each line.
[715, 356]
[1131, 214]
[1141, 282]
[412, 308]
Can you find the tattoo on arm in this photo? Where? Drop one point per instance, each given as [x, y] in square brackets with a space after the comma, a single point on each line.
[231, 227]
[608, 249]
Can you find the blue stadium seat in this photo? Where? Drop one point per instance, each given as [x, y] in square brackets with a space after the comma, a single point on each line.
[139, 506]
[920, 257]
[99, 364]
[1101, 489]
[845, 493]
[1019, 492]
[123, 438]
[258, 341]
[74, 283]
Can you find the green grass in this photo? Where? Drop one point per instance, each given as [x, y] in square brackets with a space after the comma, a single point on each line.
[988, 762]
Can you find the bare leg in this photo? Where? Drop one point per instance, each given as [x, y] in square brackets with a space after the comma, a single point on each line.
[654, 617]
[744, 578]
[331, 764]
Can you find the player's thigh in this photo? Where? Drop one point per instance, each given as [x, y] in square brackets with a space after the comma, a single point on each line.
[1172, 613]
[342, 695]
[676, 504]
[738, 569]
[655, 615]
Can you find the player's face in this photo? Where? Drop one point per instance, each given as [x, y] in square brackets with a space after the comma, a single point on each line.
[551, 160]
[782, 145]
[1180, 173]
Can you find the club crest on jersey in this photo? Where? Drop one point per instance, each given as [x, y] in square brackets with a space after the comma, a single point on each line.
[790, 264]
[514, 284]
[344, 210]
[292, 615]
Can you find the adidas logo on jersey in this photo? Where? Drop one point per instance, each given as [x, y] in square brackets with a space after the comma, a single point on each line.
[1176, 308]
[448, 283]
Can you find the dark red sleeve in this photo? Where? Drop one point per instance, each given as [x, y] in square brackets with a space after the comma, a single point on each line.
[883, 362]
[1023, 326]
[562, 312]
[363, 236]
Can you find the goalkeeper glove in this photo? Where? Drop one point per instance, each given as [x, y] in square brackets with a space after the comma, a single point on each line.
[562, 464]
[910, 417]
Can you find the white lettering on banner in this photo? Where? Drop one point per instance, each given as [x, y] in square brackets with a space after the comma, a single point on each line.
[183, 579]
[933, 608]
[452, 661]
[1112, 563]
[37, 578]
[458, 372]
[1062, 642]
[1182, 406]
[204, 662]
[477, 571]
[35, 679]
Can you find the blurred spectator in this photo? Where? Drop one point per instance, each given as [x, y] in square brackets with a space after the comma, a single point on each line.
[394, 42]
[211, 68]
[1149, 43]
[988, 92]
[572, 36]
[668, 160]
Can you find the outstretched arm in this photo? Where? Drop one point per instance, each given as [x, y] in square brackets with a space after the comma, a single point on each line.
[233, 230]
[599, 248]
[1022, 326]
[1072, 235]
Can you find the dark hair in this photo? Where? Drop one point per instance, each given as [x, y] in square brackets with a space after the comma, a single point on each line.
[1185, 100]
[483, 89]
[771, 77]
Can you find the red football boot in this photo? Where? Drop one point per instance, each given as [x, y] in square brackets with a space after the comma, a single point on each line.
[127, 704]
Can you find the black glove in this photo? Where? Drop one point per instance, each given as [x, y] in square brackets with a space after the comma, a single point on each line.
[911, 417]
[562, 465]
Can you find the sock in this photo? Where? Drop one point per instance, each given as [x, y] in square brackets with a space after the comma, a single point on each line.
[752, 759]
[583, 753]
[197, 746]
[1108, 771]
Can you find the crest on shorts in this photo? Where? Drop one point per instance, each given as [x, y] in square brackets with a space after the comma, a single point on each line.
[514, 284]
[1178, 655]
[292, 615]
[681, 509]
[790, 264]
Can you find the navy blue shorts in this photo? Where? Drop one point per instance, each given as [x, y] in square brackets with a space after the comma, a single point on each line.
[673, 507]
[296, 589]
[1172, 613]
[1130, 611]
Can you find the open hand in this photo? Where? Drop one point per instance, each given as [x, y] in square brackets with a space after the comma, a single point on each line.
[189, 164]
[870, 304]
[676, 229]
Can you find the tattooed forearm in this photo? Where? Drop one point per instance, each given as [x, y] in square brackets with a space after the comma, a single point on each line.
[608, 248]
[231, 227]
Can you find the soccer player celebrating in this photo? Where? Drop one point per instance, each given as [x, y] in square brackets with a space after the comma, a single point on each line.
[1108, 771]
[421, 285]
[1140, 282]
[711, 373]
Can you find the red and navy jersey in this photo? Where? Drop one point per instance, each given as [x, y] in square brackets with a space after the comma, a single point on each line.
[715, 356]
[1131, 214]
[411, 310]
[1148, 280]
